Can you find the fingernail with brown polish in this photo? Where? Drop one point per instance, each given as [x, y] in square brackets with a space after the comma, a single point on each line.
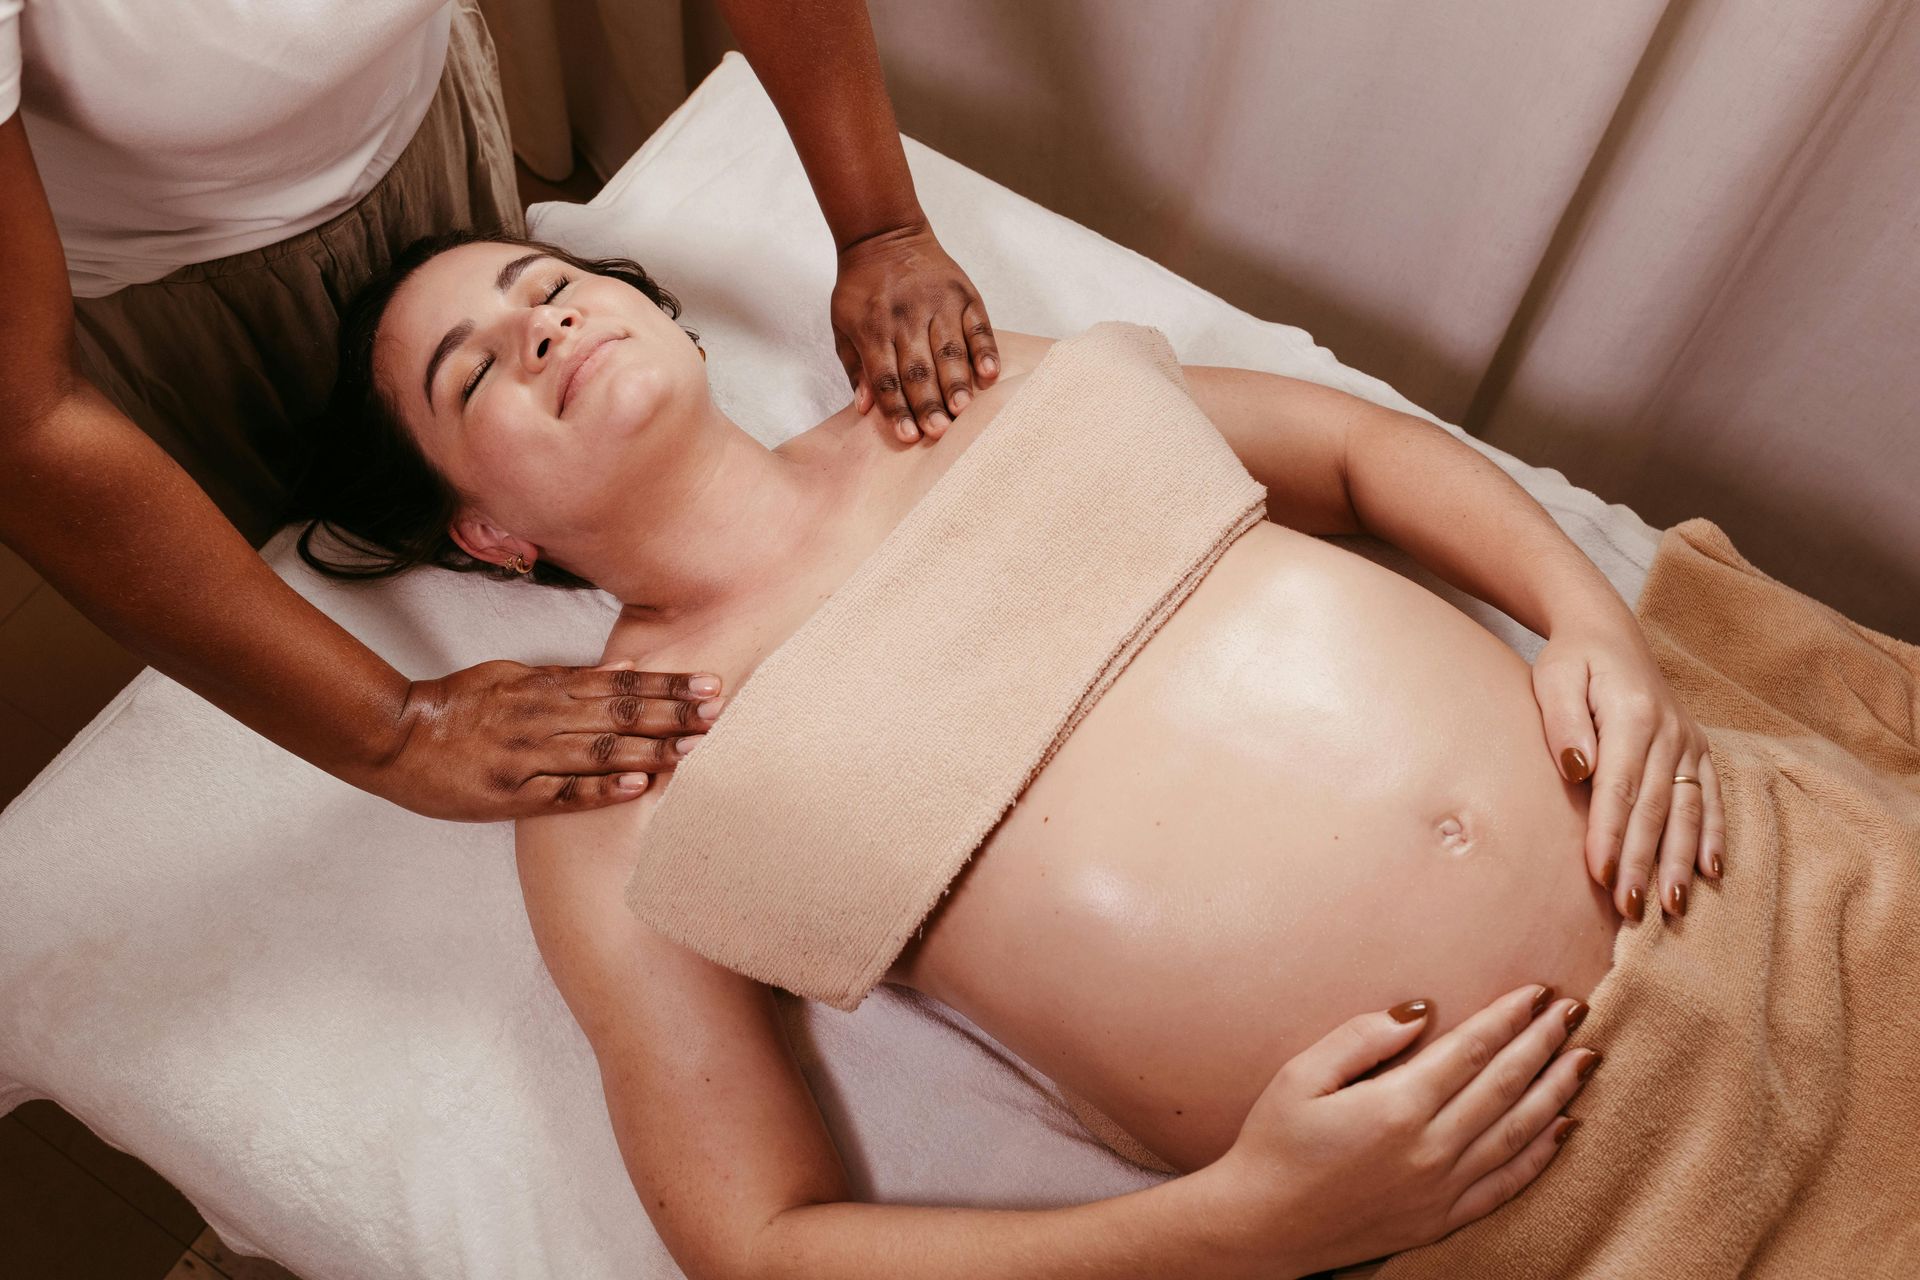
[1677, 899]
[1636, 905]
[1565, 1131]
[1411, 1011]
[1541, 999]
[1713, 864]
[1587, 1064]
[1573, 763]
[1576, 1015]
[1610, 874]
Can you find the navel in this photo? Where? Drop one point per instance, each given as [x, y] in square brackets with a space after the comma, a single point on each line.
[1453, 834]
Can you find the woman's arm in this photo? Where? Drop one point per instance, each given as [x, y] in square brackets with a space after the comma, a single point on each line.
[734, 1165]
[1336, 463]
[720, 1133]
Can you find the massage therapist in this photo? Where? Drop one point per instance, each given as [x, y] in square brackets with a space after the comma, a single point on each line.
[187, 192]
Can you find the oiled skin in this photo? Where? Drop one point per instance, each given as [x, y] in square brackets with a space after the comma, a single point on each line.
[1319, 789]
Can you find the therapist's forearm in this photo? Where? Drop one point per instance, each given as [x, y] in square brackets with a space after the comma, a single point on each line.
[115, 526]
[818, 63]
[1414, 485]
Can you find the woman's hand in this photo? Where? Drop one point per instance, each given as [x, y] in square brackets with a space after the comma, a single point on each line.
[1601, 680]
[1330, 1169]
[501, 740]
[911, 329]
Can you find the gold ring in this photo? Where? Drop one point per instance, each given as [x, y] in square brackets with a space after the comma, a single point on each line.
[1679, 778]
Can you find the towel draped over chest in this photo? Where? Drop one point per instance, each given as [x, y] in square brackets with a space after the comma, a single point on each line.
[871, 753]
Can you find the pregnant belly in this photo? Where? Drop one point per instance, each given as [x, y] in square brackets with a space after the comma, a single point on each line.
[1319, 790]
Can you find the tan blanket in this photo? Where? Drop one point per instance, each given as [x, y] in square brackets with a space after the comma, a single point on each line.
[869, 755]
[1758, 1112]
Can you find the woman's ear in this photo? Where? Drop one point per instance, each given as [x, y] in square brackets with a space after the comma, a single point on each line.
[484, 541]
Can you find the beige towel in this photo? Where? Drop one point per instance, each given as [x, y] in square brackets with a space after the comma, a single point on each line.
[1758, 1111]
[867, 758]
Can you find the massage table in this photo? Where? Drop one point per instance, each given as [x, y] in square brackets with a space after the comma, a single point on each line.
[324, 1019]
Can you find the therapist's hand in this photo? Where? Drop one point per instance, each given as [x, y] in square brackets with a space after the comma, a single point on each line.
[911, 331]
[501, 740]
[1610, 715]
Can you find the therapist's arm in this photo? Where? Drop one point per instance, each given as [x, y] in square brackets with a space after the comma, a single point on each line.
[909, 327]
[112, 523]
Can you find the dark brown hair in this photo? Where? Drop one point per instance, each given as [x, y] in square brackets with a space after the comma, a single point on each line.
[369, 486]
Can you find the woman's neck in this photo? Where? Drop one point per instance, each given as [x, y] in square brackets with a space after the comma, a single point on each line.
[745, 513]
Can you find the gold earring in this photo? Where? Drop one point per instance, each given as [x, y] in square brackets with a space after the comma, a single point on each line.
[515, 563]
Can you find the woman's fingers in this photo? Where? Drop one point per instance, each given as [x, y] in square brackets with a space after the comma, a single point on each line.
[1641, 849]
[1549, 1093]
[1354, 1048]
[1680, 844]
[1511, 1178]
[1494, 1093]
[1616, 785]
[1713, 835]
[1446, 1066]
[1560, 687]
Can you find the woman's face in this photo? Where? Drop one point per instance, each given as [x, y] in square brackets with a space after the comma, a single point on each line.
[549, 396]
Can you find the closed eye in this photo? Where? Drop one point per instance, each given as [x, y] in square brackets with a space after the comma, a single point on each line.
[480, 370]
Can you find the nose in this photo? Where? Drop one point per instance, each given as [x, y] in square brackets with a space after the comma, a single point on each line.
[546, 326]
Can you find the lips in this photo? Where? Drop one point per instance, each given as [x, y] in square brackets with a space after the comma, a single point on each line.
[571, 372]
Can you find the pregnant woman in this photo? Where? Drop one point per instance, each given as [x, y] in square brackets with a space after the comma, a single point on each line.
[1318, 789]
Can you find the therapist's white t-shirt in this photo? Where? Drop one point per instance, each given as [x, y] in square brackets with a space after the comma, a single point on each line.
[169, 132]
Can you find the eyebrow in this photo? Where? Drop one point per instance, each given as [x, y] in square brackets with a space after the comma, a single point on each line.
[460, 332]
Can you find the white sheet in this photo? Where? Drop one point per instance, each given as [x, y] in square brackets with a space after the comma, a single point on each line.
[324, 1018]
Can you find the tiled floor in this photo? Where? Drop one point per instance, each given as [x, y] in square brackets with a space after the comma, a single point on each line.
[72, 1207]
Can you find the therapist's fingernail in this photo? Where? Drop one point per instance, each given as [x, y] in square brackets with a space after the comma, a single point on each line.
[632, 781]
[1573, 763]
[989, 366]
[704, 686]
[961, 399]
[1410, 1011]
[711, 708]
[938, 421]
[683, 745]
[905, 429]
[1542, 997]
